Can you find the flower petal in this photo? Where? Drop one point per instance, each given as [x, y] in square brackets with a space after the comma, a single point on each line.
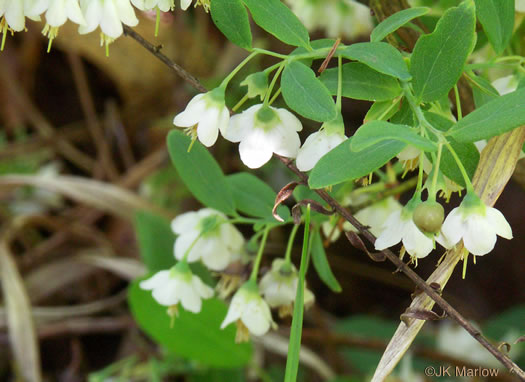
[257, 317]
[392, 232]
[159, 279]
[254, 151]
[208, 130]
[185, 223]
[479, 237]
[499, 223]
[193, 112]
[453, 227]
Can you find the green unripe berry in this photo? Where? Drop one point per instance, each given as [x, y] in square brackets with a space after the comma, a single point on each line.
[428, 217]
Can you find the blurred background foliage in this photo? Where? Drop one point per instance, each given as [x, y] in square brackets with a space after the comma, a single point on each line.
[73, 252]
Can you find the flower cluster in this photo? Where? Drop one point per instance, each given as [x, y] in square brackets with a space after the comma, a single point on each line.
[208, 236]
[108, 15]
[419, 224]
[261, 130]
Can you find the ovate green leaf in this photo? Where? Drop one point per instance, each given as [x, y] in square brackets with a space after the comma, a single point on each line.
[276, 18]
[497, 18]
[200, 173]
[321, 264]
[155, 240]
[231, 17]
[493, 118]
[254, 197]
[396, 21]
[362, 82]
[376, 131]
[306, 94]
[342, 164]
[379, 56]
[438, 58]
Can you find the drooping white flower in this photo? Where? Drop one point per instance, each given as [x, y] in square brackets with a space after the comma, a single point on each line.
[375, 215]
[176, 285]
[400, 227]
[318, 144]
[263, 130]
[58, 12]
[251, 313]
[148, 5]
[14, 12]
[206, 235]
[109, 15]
[206, 114]
[477, 224]
[347, 18]
[505, 85]
[279, 287]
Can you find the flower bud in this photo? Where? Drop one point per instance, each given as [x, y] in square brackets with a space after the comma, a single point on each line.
[429, 216]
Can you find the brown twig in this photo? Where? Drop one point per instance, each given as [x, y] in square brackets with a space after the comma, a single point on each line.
[400, 265]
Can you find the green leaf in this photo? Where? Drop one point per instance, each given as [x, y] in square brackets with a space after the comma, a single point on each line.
[396, 21]
[155, 240]
[497, 18]
[376, 131]
[379, 56]
[438, 58]
[306, 94]
[231, 17]
[482, 90]
[362, 82]
[468, 152]
[493, 118]
[321, 264]
[276, 18]
[197, 337]
[382, 110]
[254, 197]
[294, 345]
[342, 164]
[200, 173]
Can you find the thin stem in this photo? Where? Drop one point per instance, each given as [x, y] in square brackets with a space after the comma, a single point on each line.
[272, 84]
[257, 262]
[187, 253]
[420, 173]
[157, 22]
[240, 103]
[228, 78]
[339, 82]
[289, 246]
[458, 102]
[468, 183]
[274, 97]
[432, 192]
[270, 53]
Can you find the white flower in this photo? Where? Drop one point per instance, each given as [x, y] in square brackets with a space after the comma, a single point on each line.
[206, 235]
[58, 12]
[178, 285]
[263, 130]
[148, 5]
[208, 112]
[279, 287]
[375, 215]
[400, 227]
[15, 12]
[477, 224]
[505, 85]
[320, 143]
[250, 311]
[347, 18]
[109, 15]
[520, 6]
